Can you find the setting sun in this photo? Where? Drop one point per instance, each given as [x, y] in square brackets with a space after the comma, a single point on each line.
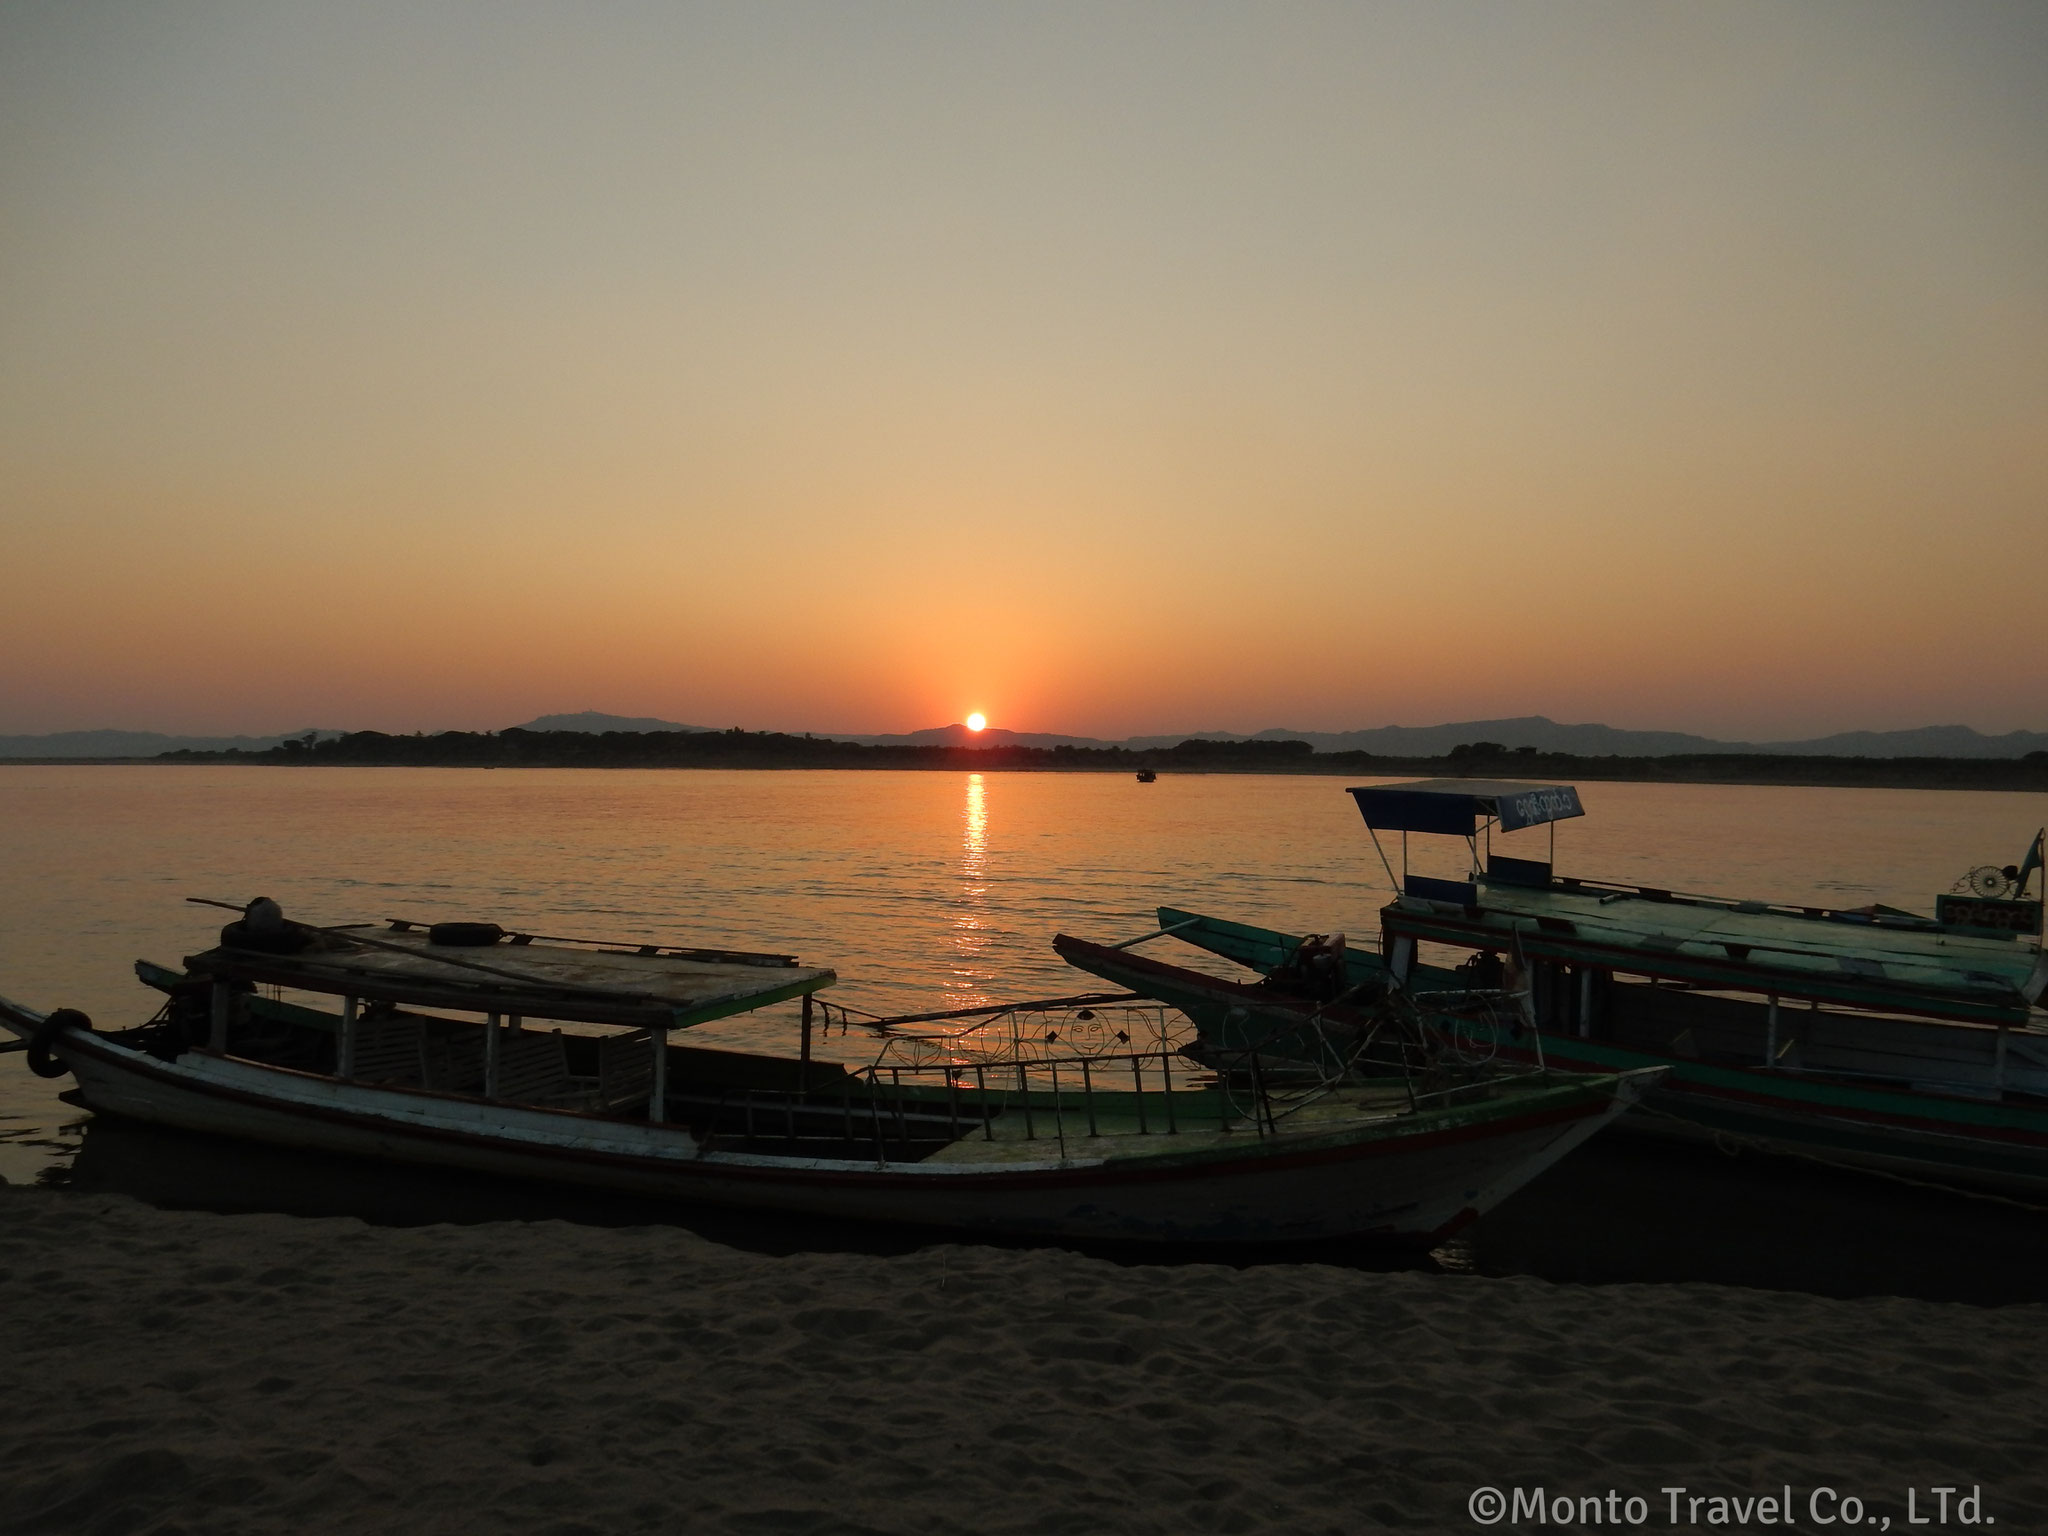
[976, 721]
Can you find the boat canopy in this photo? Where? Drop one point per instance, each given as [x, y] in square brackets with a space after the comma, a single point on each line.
[1872, 962]
[1457, 805]
[642, 987]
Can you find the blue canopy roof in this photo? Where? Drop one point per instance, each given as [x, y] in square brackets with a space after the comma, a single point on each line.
[1457, 805]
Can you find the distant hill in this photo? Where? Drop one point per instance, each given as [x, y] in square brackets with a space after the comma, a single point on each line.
[1546, 735]
[1538, 731]
[775, 749]
[1535, 731]
[1384, 741]
[591, 720]
[141, 743]
[993, 736]
[1926, 741]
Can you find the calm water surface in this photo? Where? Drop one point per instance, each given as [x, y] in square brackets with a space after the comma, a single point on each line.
[924, 890]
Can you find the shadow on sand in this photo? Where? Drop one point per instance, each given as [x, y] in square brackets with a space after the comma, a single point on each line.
[1623, 1209]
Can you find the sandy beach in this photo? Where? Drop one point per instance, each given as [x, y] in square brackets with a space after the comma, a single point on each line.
[173, 1371]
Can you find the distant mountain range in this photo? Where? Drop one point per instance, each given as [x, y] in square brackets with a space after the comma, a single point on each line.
[1547, 735]
[1537, 731]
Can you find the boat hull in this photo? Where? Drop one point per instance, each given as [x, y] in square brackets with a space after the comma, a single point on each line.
[1413, 1182]
[1936, 1138]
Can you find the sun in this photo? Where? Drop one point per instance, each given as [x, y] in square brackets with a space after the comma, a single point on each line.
[977, 721]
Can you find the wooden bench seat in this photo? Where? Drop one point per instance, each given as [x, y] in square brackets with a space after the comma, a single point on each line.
[387, 1050]
[625, 1069]
[452, 1057]
[533, 1068]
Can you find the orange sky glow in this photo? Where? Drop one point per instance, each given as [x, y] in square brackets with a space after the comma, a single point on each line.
[851, 367]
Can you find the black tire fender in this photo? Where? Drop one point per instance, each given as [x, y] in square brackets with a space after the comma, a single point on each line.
[40, 1061]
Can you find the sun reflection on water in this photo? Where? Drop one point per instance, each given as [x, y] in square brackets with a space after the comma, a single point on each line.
[969, 972]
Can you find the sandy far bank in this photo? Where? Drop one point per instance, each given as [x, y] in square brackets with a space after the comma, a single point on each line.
[198, 1373]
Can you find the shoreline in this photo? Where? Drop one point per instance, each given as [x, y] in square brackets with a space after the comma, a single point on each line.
[1992, 784]
[771, 753]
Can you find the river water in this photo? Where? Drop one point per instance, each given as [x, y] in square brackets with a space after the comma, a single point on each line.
[922, 889]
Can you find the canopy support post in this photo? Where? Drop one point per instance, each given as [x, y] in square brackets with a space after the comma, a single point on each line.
[345, 1043]
[804, 1052]
[492, 1036]
[1373, 832]
[1771, 1035]
[223, 1006]
[657, 1094]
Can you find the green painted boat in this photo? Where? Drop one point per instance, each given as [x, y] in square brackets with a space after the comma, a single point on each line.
[1872, 1038]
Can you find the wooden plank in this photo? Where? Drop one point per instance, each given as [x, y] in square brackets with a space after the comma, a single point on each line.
[454, 1058]
[625, 1068]
[388, 1051]
[533, 1067]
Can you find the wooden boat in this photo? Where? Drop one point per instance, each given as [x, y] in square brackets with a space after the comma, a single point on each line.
[447, 1046]
[1871, 1038]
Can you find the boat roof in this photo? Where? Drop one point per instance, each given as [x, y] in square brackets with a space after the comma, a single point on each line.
[641, 986]
[1867, 960]
[1457, 805]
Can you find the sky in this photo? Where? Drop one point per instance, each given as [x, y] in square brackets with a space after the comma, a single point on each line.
[1108, 369]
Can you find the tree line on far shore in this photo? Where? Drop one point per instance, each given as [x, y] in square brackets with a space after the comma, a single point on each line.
[774, 749]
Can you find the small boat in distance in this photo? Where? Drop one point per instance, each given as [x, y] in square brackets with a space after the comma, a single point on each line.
[445, 1045]
[1147, 776]
[1869, 1037]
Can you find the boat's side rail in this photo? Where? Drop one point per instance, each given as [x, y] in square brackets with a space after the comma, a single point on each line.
[1094, 1024]
[1134, 1092]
